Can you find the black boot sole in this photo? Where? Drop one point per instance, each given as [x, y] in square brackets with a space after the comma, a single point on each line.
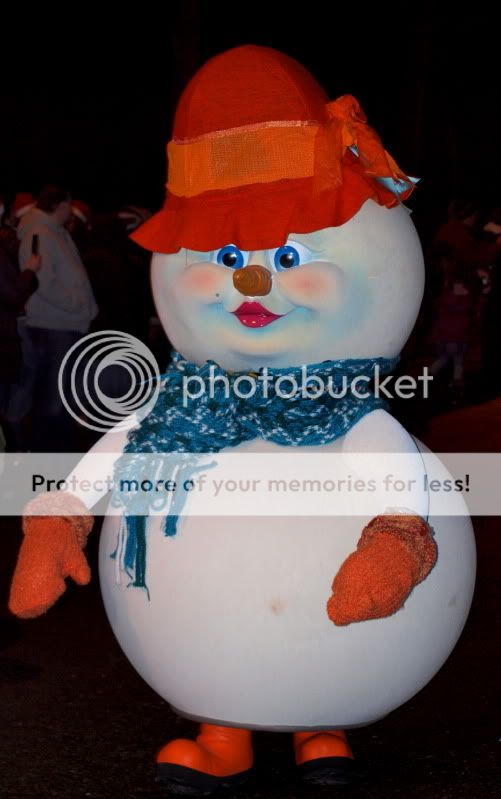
[328, 771]
[184, 781]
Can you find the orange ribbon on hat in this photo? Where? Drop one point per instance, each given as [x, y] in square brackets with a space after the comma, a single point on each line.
[348, 129]
[279, 150]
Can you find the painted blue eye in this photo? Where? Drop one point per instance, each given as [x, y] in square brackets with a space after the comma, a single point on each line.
[290, 255]
[286, 257]
[230, 256]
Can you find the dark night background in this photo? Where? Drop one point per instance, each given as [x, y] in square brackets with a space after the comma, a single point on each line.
[100, 107]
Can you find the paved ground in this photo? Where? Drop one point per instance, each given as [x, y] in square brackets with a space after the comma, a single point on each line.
[78, 722]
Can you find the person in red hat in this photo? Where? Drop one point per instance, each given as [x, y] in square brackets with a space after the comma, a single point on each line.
[23, 203]
[57, 315]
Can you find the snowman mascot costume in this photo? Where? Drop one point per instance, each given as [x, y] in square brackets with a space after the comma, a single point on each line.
[282, 243]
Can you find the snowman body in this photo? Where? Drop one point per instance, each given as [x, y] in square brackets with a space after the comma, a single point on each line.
[235, 628]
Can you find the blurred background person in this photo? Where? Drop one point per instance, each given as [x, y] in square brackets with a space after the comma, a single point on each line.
[15, 289]
[57, 315]
[491, 335]
[462, 233]
[453, 317]
[22, 203]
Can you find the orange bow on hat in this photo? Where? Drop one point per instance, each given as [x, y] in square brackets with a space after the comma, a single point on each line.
[347, 128]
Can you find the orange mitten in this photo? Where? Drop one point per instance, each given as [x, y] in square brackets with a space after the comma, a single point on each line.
[50, 552]
[393, 555]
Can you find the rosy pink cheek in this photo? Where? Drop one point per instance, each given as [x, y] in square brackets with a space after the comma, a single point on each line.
[309, 286]
[200, 283]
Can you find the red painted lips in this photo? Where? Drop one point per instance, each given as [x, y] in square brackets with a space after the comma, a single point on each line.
[253, 314]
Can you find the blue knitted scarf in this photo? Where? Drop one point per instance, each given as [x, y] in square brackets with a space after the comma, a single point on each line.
[220, 418]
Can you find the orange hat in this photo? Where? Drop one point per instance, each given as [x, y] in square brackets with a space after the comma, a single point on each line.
[259, 152]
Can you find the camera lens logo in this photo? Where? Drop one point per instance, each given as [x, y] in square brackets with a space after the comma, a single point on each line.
[108, 377]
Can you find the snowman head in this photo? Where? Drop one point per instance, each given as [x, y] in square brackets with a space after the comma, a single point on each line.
[282, 241]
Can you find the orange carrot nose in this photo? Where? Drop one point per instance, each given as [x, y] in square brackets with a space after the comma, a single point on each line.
[253, 280]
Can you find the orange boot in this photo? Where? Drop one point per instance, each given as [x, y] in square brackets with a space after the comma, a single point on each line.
[219, 757]
[324, 758]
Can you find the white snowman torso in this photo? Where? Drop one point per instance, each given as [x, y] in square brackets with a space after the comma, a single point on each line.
[235, 628]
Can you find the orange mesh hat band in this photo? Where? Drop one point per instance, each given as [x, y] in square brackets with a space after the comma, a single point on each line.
[241, 156]
[274, 151]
